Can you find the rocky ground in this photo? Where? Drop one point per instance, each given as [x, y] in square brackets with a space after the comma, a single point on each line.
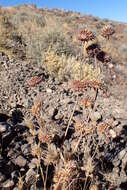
[35, 112]
[56, 134]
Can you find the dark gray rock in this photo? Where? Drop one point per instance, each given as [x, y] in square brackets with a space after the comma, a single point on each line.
[3, 117]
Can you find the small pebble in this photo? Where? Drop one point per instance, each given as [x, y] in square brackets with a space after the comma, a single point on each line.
[3, 128]
[112, 133]
[110, 65]
[48, 90]
[97, 116]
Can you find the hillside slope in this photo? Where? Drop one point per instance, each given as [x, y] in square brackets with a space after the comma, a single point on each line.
[63, 114]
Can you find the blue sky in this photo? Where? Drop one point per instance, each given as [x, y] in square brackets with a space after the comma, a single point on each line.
[112, 9]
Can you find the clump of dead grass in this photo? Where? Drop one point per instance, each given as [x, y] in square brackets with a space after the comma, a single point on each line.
[65, 175]
[65, 67]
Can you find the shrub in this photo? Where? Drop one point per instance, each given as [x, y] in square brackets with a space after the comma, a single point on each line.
[25, 16]
[58, 42]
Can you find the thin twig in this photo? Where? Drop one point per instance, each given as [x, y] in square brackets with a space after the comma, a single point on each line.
[69, 122]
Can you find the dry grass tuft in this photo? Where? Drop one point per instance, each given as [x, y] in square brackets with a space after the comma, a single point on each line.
[54, 63]
[65, 67]
[81, 129]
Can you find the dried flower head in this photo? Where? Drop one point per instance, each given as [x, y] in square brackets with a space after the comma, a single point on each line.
[107, 59]
[44, 136]
[107, 31]
[93, 50]
[103, 57]
[102, 128]
[87, 102]
[51, 155]
[65, 174]
[86, 35]
[78, 85]
[36, 150]
[80, 128]
[83, 85]
[34, 81]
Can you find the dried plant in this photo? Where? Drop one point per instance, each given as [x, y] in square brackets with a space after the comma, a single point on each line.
[30, 126]
[34, 81]
[87, 102]
[36, 106]
[66, 68]
[54, 63]
[86, 35]
[79, 127]
[44, 135]
[102, 128]
[65, 174]
[102, 57]
[91, 46]
[36, 150]
[84, 129]
[88, 168]
[92, 50]
[51, 155]
[107, 31]
[70, 119]
[83, 85]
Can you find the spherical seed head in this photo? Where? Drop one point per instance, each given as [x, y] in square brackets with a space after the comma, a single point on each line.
[107, 31]
[44, 136]
[86, 35]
